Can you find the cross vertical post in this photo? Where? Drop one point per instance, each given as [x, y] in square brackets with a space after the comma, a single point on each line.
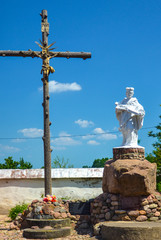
[45, 54]
[45, 79]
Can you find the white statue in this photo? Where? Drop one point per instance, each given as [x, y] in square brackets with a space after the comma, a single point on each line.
[130, 114]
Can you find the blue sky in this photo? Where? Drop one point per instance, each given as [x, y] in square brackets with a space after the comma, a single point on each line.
[124, 38]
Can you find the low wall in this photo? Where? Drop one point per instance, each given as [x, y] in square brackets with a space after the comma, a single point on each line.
[17, 186]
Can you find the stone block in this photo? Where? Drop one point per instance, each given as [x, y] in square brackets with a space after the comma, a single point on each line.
[141, 218]
[134, 213]
[107, 216]
[151, 206]
[47, 208]
[129, 177]
[157, 214]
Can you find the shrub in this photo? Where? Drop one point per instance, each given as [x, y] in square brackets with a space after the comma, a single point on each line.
[16, 210]
[159, 186]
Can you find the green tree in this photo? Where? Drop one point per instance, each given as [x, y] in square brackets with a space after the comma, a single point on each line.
[99, 163]
[85, 166]
[61, 163]
[11, 164]
[24, 165]
[155, 156]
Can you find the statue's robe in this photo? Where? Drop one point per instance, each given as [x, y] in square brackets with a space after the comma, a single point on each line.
[130, 114]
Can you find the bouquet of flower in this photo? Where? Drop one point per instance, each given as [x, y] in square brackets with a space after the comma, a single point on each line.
[49, 198]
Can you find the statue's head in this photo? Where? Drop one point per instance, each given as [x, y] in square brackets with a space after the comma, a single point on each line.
[129, 92]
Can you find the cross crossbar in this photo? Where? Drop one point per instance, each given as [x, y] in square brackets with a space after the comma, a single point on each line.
[30, 53]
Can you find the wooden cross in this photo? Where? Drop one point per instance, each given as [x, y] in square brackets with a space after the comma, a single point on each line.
[45, 54]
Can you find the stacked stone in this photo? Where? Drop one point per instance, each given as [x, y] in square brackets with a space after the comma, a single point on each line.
[43, 210]
[47, 210]
[151, 207]
[128, 153]
[103, 207]
[108, 207]
[82, 222]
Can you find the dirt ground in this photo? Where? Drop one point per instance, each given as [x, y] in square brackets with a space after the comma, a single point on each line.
[7, 234]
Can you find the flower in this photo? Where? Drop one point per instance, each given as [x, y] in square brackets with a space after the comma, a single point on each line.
[49, 198]
[53, 198]
[45, 199]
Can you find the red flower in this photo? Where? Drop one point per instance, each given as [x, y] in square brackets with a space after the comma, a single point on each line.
[49, 198]
[45, 199]
[53, 198]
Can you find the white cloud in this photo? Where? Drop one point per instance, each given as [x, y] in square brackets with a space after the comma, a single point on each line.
[93, 142]
[6, 148]
[65, 139]
[104, 135]
[98, 134]
[31, 132]
[84, 123]
[98, 130]
[56, 87]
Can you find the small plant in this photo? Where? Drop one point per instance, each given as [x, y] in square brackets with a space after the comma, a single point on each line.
[16, 210]
[42, 195]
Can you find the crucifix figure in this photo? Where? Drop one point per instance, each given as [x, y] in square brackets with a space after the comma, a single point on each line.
[45, 54]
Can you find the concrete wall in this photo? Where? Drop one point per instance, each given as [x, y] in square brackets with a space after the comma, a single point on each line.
[17, 186]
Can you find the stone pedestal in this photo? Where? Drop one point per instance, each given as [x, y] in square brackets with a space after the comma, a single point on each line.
[129, 189]
[128, 153]
[129, 174]
[129, 177]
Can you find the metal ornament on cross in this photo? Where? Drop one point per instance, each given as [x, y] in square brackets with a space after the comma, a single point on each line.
[45, 54]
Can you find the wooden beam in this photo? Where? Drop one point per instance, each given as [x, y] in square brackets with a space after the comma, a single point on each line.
[30, 53]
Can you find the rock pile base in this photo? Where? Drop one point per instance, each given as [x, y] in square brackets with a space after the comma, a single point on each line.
[115, 207]
[46, 220]
[50, 217]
